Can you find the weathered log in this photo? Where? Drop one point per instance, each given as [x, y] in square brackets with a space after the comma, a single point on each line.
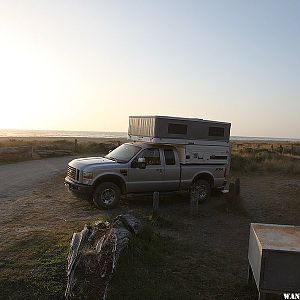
[93, 256]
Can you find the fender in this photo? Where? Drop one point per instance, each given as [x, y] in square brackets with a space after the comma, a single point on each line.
[207, 175]
[118, 179]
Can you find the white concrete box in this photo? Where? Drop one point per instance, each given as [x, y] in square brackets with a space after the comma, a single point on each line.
[274, 258]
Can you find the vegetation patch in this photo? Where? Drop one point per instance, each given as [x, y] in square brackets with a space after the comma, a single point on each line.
[264, 159]
[157, 267]
[35, 268]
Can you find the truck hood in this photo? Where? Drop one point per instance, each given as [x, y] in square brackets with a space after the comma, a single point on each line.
[82, 163]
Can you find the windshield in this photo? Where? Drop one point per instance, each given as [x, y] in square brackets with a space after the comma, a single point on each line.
[123, 153]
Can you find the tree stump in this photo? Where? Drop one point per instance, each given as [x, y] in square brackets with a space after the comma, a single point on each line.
[93, 256]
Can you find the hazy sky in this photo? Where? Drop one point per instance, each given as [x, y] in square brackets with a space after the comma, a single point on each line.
[88, 65]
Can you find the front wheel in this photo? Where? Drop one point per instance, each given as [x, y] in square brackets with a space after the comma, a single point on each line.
[106, 195]
[200, 190]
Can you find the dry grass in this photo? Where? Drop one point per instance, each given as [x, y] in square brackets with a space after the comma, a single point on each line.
[84, 147]
[264, 158]
[62, 144]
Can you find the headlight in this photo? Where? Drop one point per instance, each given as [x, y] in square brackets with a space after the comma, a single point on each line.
[87, 177]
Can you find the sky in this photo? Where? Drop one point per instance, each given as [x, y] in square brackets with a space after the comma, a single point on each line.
[88, 65]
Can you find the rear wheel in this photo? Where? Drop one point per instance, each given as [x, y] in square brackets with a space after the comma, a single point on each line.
[106, 195]
[200, 190]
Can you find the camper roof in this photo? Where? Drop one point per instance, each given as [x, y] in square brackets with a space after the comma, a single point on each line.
[180, 118]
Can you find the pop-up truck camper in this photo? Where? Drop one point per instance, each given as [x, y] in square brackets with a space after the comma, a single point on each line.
[197, 141]
[164, 154]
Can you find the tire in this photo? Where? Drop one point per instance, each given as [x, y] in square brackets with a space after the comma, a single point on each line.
[200, 190]
[106, 195]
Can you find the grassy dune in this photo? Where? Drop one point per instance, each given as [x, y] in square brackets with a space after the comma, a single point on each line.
[266, 157]
[84, 146]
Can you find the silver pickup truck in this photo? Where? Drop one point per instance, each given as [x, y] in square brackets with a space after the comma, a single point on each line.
[141, 168]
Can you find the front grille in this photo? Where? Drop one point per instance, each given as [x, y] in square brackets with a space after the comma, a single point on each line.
[71, 172]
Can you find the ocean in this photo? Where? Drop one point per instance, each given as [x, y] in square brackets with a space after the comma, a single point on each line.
[17, 133]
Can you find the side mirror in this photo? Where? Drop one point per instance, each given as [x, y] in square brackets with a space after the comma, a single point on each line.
[141, 163]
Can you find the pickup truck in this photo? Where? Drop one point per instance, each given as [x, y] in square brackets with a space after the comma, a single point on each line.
[141, 168]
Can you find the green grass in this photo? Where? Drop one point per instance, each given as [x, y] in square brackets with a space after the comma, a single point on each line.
[156, 267]
[34, 268]
[143, 271]
[151, 267]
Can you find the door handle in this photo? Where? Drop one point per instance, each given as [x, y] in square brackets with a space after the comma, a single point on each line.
[160, 170]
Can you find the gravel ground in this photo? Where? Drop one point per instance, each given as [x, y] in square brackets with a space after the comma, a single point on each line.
[22, 177]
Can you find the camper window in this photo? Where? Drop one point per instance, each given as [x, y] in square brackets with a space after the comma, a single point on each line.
[177, 128]
[216, 131]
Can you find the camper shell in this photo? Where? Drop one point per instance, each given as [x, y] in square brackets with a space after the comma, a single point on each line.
[197, 141]
[175, 130]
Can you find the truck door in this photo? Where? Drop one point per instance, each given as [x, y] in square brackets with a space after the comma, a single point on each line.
[149, 179]
[172, 171]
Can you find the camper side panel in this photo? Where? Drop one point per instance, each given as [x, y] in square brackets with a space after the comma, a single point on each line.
[207, 154]
[203, 154]
[191, 129]
[141, 126]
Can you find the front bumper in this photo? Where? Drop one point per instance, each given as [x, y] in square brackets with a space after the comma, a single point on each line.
[78, 187]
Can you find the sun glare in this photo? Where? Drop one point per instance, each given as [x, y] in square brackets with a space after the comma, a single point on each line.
[29, 84]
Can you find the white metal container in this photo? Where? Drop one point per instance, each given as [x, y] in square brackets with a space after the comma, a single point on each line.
[274, 258]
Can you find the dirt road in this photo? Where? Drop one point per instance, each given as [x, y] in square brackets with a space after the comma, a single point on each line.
[17, 178]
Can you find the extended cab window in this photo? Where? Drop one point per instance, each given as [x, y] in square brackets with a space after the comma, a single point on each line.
[151, 156]
[169, 157]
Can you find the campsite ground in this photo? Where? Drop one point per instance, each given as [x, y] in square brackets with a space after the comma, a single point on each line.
[187, 257]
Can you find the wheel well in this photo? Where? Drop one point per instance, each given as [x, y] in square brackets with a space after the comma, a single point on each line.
[114, 179]
[205, 176]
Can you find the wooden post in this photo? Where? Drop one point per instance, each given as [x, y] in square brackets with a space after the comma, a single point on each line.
[231, 193]
[76, 146]
[155, 205]
[194, 203]
[237, 188]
